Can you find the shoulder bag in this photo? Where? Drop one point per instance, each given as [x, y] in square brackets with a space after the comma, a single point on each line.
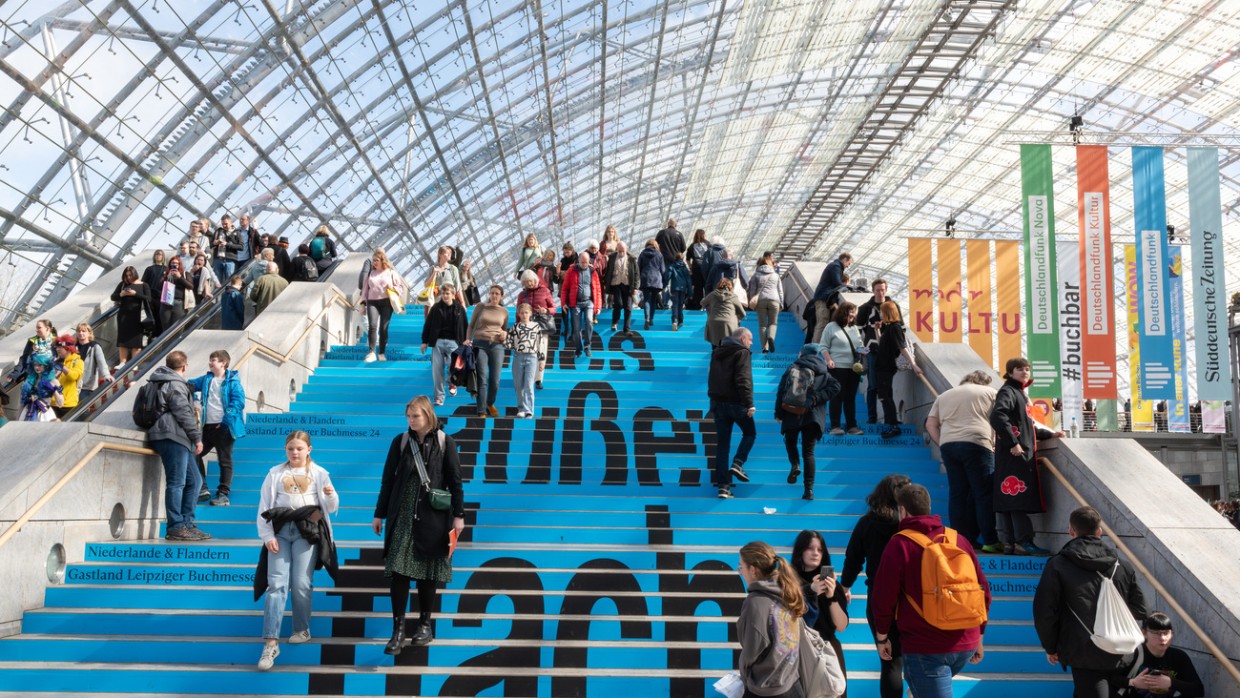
[819, 668]
[441, 500]
[858, 366]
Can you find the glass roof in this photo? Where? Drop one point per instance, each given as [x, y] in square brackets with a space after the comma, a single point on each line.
[805, 126]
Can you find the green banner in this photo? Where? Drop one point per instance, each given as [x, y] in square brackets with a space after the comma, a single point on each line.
[1041, 283]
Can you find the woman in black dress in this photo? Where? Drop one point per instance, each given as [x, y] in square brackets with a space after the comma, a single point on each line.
[133, 297]
[415, 544]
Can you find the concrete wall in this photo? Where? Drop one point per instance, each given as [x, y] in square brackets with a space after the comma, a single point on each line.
[34, 456]
[1188, 547]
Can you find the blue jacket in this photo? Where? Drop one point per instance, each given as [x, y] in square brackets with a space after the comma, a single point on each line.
[725, 269]
[232, 395]
[650, 268]
[832, 280]
[679, 278]
[232, 304]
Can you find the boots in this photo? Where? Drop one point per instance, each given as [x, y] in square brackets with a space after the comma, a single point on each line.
[423, 634]
[397, 642]
[794, 473]
[809, 492]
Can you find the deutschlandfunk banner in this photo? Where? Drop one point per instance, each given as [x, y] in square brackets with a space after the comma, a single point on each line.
[1096, 273]
[1153, 260]
[1041, 288]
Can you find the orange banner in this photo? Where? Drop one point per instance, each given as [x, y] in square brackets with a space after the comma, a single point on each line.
[950, 291]
[1007, 297]
[920, 289]
[1097, 274]
[981, 300]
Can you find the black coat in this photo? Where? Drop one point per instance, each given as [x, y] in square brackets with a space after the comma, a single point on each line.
[865, 547]
[825, 388]
[671, 243]
[444, 321]
[869, 319]
[1069, 584]
[314, 532]
[1017, 485]
[443, 467]
[730, 378]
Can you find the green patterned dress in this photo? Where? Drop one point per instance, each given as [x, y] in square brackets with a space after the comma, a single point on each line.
[402, 558]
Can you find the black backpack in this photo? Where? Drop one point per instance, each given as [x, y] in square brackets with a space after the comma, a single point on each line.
[309, 270]
[148, 406]
[799, 394]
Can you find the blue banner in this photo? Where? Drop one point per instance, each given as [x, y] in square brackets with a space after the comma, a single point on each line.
[1150, 216]
[1177, 409]
[1205, 215]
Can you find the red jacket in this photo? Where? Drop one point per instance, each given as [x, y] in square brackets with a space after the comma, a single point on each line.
[539, 298]
[568, 292]
[899, 574]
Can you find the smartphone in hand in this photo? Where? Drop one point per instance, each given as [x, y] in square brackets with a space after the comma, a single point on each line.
[826, 572]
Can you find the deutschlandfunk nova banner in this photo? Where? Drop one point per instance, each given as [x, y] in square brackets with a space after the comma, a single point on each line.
[1096, 272]
[1141, 412]
[1153, 259]
[1205, 215]
[1070, 347]
[1041, 288]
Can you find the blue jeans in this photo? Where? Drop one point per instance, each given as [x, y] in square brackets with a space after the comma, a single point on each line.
[583, 326]
[524, 371]
[970, 475]
[678, 307]
[291, 568]
[224, 269]
[489, 357]
[726, 415]
[930, 675]
[651, 302]
[181, 482]
[441, 357]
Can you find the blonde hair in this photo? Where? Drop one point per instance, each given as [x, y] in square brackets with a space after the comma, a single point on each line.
[381, 255]
[85, 327]
[653, 243]
[297, 435]
[763, 559]
[322, 230]
[526, 307]
[422, 404]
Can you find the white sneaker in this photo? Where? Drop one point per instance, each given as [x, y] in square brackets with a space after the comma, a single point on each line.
[299, 637]
[268, 658]
[370, 358]
[452, 390]
[383, 357]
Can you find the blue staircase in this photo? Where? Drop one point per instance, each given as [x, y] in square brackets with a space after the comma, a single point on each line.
[596, 561]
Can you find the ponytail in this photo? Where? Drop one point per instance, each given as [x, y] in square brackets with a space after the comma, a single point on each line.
[790, 587]
[762, 557]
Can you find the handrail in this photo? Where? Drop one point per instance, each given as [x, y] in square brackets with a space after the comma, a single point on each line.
[337, 297]
[1149, 576]
[65, 479]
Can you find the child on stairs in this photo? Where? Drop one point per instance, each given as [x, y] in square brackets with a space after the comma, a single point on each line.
[524, 339]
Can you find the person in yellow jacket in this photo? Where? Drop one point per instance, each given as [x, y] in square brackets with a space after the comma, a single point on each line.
[69, 368]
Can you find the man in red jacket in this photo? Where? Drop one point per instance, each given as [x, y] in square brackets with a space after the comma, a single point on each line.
[581, 295]
[932, 656]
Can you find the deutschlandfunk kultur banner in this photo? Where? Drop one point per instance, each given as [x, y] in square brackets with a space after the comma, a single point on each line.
[1096, 273]
[1041, 288]
[1150, 217]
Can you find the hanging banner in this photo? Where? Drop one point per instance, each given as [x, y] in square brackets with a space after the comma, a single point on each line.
[1177, 409]
[1106, 415]
[1140, 412]
[1205, 215]
[950, 291]
[1007, 300]
[1071, 392]
[920, 289]
[1041, 289]
[1150, 216]
[981, 300]
[1096, 272]
[1213, 417]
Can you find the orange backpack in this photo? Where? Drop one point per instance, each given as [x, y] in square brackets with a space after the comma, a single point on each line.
[952, 598]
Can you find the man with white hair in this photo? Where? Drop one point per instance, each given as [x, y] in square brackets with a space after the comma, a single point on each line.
[580, 295]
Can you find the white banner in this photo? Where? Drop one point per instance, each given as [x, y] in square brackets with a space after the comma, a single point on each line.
[1070, 334]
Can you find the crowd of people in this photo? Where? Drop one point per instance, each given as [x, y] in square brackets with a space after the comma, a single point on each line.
[986, 438]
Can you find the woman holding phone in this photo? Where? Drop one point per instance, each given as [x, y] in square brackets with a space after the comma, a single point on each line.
[826, 605]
